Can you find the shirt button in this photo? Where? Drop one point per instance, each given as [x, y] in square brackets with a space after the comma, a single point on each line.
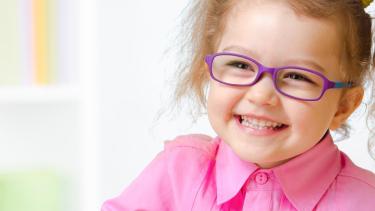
[261, 178]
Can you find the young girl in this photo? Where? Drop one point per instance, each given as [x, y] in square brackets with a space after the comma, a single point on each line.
[281, 75]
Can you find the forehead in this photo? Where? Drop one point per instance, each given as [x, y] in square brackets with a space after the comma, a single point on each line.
[275, 34]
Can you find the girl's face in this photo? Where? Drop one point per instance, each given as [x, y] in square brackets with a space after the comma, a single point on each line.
[273, 34]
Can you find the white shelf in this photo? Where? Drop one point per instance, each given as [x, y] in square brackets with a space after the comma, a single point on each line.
[38, 94]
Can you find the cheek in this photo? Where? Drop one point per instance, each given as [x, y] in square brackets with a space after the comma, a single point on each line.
[222, 100]
[309, 117]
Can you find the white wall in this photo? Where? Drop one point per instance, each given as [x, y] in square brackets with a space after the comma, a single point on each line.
[133, 38]
[133, 72]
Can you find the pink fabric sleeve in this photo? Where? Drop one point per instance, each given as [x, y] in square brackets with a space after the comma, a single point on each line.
[151, 190]
[172, 180]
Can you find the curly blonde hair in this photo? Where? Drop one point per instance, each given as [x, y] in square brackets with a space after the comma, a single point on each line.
[205, 23]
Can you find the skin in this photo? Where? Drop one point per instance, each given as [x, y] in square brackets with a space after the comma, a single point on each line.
[273, 34]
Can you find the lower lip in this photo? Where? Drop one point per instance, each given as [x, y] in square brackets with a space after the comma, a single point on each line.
[259, 132]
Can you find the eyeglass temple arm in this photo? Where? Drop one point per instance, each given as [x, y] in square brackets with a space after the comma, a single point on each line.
[341, 84]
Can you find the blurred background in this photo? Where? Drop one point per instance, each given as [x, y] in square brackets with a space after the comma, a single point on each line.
[81, 85]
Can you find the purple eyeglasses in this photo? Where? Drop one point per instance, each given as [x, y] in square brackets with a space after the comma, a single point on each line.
[292, 81]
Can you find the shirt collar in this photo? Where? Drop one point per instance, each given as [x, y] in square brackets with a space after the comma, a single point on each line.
[231, 173]
[314, 171]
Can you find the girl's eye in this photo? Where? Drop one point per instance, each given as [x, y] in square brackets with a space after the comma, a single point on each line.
[240, 65]
[298, 77]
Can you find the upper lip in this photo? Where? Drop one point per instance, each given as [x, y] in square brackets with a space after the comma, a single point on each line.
[260, 117]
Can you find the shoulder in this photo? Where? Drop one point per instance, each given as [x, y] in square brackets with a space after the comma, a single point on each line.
[356, 173]
[193, 143]
[194, 150]
[189, 159]
[172, 178]
[355, 183]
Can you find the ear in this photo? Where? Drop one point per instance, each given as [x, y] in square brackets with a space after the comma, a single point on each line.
[350, 100]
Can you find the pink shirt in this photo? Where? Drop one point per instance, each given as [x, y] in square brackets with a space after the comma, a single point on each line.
[196, 172]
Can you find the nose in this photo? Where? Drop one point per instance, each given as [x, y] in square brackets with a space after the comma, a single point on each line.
[263, 92]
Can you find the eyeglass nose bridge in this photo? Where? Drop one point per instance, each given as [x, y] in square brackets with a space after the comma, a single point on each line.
[264, 69]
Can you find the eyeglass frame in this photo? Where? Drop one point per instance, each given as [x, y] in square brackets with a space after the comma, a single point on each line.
[327, 84]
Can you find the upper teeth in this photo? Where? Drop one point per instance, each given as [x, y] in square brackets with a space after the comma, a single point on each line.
[257, 123]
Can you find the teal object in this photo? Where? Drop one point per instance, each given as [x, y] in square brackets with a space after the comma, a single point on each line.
[37, 190]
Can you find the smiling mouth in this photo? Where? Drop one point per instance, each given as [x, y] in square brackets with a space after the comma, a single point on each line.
[260, 124]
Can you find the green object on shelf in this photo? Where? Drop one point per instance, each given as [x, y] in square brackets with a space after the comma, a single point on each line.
[30, 191]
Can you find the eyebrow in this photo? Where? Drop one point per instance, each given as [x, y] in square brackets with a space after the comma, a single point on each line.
[241, 50]
[309, 63]
[293, 62]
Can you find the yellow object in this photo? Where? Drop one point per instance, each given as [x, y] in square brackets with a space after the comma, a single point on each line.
[40, 42]
[365, 3]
